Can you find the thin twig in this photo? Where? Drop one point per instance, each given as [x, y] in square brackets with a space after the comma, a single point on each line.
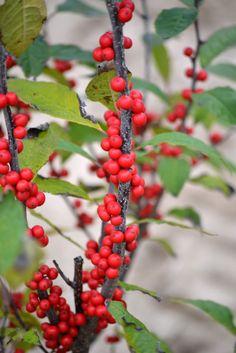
[83, 112]
[63, 276]
[77, 283]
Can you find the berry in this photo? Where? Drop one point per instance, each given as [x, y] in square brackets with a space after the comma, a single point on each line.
[113, 208]
[126, 160]
[3, 101]
[5, 156]
[108, 54]
[80, 319]
[115, 141]
[12, 178]
[188, 51]
[11, 98]
[118, 84]
[26, 174]
[124, 176]
[114, 260]
[112, 273]
[20, 132]
[124, 102]
[98, 54]
[127, 42]
[138, 106]
[117, 237]
[202, 75]
[140, 119]
[216, 137]
[125, 14]
[106, 40]
[37, 232]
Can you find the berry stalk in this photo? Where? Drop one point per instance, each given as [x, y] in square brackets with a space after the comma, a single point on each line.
[125, 132]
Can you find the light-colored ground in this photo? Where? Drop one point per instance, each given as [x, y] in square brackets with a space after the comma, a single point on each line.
[205, 266]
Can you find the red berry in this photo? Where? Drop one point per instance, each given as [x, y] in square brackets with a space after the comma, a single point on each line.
[189, 72]
[3, 101]
[116, 141]
[103, 214]
[108, 54]
[124, 176]
[113, 208]
[30, 308]
[137, 106]
[101, 310]
[127, 42]
[112, 167]
[140, 119]
[187, 94]
[106, 40]
[44, 269]
[26, 174]
[32, 202]
[124, 102]
[104, 251]
[80, 319]
[63, 326]
[115, 153]
[19, 132]
[216, 137]
[11, 98]
[116, 220]
[188, 51]
[22, 186]
[44, 304]
[12, 178]
[112, 273]
[117, 237]
[44, 284]
[37, 232]
[202, 75]
[40, 198]
[114, 260]
[53, 273]
[5, 156]
[125, 14]
[44, 241]
[105, 144]
[66, 341]
[4, 169]
[118, 84]
[126, 160]
[98, 54]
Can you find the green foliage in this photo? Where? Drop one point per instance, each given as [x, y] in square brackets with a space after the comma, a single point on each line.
[37, 150]
[71, 52]
[80, 7]
[82, 134]
[174, 172]
[220, 101]
[143, 85]
[218, 42]
[34, 58]
[20, 23]
[218, 312]
[192, 143]
[174, 21]
[165, 244]
[51, 98]
[60, 187]
[138, 337]
[191, 2]
[98, 89]
[21, 338]
[73, 148]
[202, 116]
[213, 183]
[186, 213]
[12, 230]
[225, 70]
[172, 224]
[133, 287]
[55, 75]
[162, 60]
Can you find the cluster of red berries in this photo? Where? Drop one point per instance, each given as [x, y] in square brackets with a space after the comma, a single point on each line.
[47, 298]
[63, 172]
[63, 66]
[38, 233]
[84, 219]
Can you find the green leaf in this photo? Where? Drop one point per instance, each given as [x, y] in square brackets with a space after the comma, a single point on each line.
[152, 39]
[191, 2]
[56, 76]
[31, 337]
[71, 147]
[80, 7]
[220, 101]
[218, 312]
[138, 337]
[34, 59]
[139, 83]
[71, 52]
[226, 70]
[60, 187]
[165, 244]
[202, 116]
[214, 183]
[192, 143]
[12, 230]
[162, 60]
[174, 172]
[50, 98]
[82, 134]
[133, 287]
[37, 150]
[172, 224]
[221, 40]
[98, 89]
[29, 320]
[20, 23]
[174, 21]
[186, 213]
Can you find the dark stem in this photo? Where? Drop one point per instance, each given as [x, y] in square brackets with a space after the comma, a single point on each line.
[77, 283]
[7, 112]
[125, 131]
[63, 276]
[194, 67]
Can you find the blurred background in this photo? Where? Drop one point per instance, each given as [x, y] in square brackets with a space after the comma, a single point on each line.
[204, 266]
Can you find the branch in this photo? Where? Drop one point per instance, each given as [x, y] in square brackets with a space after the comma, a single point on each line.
[77, 283]
[51, 314]
[125, 132]
[7, 112]
[63, 276]
[83, 112]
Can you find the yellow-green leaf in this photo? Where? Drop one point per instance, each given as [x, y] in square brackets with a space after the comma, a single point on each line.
[51, 98]
[20, 23]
